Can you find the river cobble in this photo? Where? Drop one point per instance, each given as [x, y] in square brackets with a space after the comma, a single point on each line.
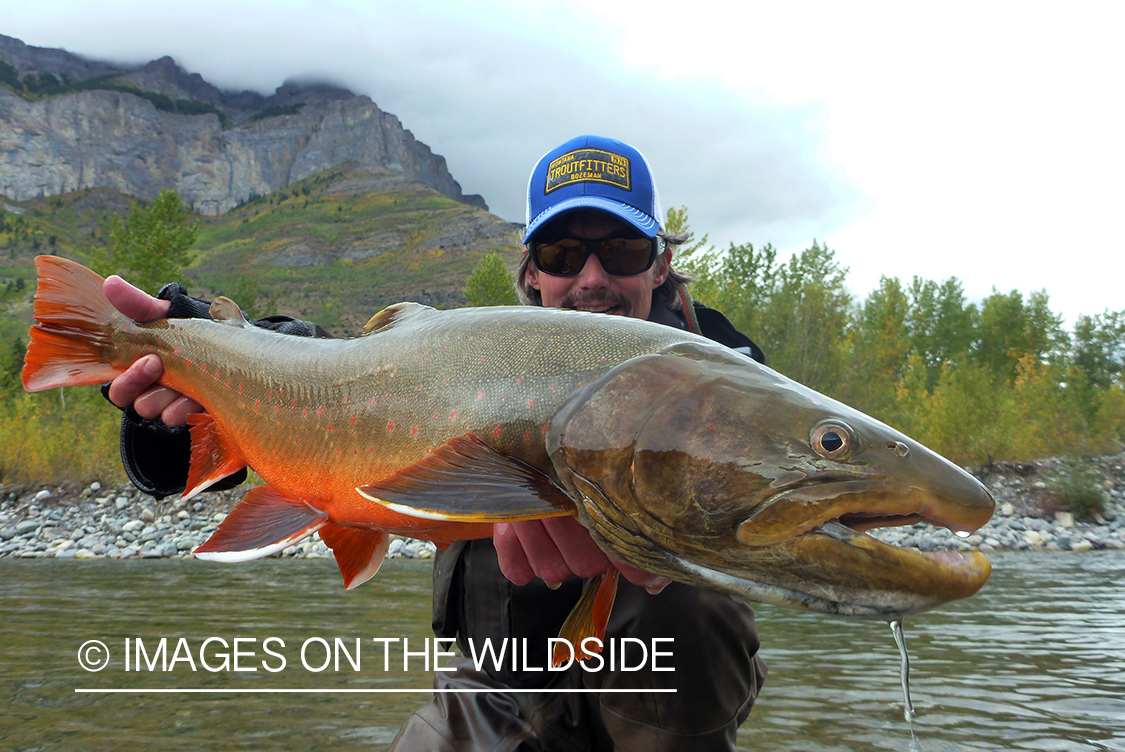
[118, 522]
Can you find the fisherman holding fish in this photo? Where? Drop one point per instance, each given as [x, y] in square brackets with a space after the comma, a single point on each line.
[593, 243]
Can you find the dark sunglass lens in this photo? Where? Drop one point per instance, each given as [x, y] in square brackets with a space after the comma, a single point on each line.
[562, 258]
[626, 256]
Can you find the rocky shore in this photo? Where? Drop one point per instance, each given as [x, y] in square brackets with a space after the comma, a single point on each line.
[118, 522]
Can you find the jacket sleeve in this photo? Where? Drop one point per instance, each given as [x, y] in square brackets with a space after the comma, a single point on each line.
[156, 457]
[715, 326]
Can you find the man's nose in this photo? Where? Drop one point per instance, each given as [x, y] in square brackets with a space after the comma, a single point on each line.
[593, 275]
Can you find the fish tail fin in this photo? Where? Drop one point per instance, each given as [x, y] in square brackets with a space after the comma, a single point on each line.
[263, 523]
[589, 618]
[359, 551]
[72, 343]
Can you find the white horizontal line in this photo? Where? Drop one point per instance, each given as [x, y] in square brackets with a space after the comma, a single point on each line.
[366, 691]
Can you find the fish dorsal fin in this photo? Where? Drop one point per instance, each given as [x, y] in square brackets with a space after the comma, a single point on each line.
[226, 311]
[391, 314]
[263, 523]
[212, 458]
[359, 551]
[466, 480]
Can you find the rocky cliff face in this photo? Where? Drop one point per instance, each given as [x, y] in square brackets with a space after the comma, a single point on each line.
[83, 139]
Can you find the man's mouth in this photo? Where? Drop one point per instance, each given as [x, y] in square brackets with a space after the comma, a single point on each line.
[598, 308]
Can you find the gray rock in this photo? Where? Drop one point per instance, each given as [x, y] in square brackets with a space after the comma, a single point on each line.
[122, 141]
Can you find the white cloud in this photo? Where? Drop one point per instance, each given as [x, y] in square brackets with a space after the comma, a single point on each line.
[973, 140]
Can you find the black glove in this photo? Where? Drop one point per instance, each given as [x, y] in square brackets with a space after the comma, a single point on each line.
[157, 457]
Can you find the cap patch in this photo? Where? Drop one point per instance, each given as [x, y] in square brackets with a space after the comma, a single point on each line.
[589, 165]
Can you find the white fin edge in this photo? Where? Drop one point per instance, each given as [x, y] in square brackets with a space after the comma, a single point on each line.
[421, 514]
[236, 557]
[372, 568]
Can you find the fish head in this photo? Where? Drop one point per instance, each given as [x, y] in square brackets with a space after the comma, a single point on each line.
[702, 465]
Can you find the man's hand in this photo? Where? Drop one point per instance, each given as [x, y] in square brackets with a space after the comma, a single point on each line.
[554, 549]
[137, 386]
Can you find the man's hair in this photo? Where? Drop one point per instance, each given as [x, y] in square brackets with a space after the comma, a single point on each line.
[665, 295]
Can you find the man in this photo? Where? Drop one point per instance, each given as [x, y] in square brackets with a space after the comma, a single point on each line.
[593, 243]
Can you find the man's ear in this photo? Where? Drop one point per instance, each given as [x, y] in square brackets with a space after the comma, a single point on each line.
[532, 276]
[663, 266]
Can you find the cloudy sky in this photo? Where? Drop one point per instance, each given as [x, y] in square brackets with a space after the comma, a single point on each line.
[981, 140]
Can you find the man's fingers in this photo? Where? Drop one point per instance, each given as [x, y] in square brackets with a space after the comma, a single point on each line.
[155, 401]
[176, 413]
[134, 302]
[541, 552]
[510, 555]
[130, 385]
[574, 544]
[653, 583]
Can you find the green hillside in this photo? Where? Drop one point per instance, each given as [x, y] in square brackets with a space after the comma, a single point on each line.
[334, 248]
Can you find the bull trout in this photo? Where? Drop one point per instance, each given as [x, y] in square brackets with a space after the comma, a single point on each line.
[681, 457]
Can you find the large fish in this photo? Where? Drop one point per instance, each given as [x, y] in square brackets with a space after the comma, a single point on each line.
[682, 457]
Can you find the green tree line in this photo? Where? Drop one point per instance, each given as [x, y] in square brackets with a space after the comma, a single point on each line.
[1001, 380]
[978, 383]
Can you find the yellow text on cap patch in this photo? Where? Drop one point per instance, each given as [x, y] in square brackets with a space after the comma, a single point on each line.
[594, 165]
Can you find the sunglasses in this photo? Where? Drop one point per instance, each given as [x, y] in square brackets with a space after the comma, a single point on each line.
[621, 257]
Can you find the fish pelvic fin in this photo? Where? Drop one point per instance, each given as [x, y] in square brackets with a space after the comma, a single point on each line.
[71, 343]
[263, 523]
[466, 480]
[212, 457]
[359, 551]
[589, 618]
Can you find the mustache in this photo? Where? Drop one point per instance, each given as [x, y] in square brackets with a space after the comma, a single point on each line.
[580, 298]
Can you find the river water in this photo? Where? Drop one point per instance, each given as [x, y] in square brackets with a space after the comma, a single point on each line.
[1036, 661]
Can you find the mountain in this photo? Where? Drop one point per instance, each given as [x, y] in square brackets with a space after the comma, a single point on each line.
[68, 123]
[334, 248]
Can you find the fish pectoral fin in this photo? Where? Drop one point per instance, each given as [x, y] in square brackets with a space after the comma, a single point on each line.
[263, 523]
[212, 458]
[589, 618]
[466, 480]
[359, 551]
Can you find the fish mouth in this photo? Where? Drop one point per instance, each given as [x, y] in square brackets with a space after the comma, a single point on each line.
[861, 505]
[850, 573]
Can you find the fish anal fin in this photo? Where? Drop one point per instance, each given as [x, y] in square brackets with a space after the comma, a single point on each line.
[263, 523]
[212, 457]
[589, 618]
[359, 551]
[466, 480]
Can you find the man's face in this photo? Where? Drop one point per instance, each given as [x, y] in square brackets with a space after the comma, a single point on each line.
[593, 289]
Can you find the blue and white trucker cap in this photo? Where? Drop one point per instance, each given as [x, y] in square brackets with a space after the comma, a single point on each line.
[591, 172]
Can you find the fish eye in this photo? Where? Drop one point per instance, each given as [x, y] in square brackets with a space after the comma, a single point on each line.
[832, 440]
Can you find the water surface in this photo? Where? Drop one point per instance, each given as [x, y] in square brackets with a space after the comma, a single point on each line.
[1036, 661]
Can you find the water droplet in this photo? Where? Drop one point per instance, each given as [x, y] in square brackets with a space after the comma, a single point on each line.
[962, 533]
[904, 673]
